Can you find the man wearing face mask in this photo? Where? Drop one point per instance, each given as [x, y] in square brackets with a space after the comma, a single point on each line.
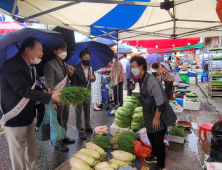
[83, 77]
[18, 95]
[157, 112]
[57, 74]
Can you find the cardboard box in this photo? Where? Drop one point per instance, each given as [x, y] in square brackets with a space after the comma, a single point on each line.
[176, 139]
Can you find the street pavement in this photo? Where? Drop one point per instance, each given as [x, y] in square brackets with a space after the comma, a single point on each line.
[188, 156]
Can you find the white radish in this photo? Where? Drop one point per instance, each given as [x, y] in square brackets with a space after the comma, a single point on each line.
[101, 166]
[90, 145]
[114, 166]
[119, 162]
[123, 156]
[78, 164]
[92, 153]
[86, 158]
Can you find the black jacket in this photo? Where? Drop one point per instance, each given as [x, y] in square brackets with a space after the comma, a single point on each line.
[16, 83]
[78, 78]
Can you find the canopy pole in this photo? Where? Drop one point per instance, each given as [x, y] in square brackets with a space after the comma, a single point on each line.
[117, 68]
[14, 7]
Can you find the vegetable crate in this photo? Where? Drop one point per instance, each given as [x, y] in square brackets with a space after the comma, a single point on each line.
[176, 139]
[191, 105]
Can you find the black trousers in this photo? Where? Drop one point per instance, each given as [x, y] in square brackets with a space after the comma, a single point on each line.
[120, 94]
[40, 114]
[158, 147]
[129, 93]
[168, 88]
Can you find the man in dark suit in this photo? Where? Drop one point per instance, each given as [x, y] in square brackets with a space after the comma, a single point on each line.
[17, 84]
[57, 71]
[83, 76]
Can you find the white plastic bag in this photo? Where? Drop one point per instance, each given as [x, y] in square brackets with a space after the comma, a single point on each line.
[142, 134]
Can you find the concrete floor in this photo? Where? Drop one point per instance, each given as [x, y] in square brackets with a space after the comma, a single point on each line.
[189, 156]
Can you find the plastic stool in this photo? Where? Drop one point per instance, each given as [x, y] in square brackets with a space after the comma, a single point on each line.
[180, 101]
[204, 75]
[206, 127]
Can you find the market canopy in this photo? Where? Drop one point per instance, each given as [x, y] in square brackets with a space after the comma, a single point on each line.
[131, 19]
[200, 45]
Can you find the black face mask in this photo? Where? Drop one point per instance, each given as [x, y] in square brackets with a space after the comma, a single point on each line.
[86, 62]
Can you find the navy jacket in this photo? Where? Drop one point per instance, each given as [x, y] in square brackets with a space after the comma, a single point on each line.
[16, 83]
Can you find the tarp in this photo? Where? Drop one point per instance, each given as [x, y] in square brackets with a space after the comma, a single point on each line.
[142, 21]
[200, 45]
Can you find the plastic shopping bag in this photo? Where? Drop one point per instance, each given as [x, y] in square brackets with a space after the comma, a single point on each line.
[142, 134]
[50, 128]
[141, 151]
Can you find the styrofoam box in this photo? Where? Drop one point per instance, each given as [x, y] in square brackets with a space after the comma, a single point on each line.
[114, 128]
[192, 80]
[176, 139]
[188, 105]
[198, 70]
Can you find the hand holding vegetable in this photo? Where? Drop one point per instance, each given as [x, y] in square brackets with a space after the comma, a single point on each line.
[156, 123]
[56, 97]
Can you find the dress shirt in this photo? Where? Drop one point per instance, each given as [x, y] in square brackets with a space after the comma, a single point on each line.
[86, 72]
[63, 67]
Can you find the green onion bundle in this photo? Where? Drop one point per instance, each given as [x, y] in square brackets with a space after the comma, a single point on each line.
[123, 140]
[74, 95]
[101, 141]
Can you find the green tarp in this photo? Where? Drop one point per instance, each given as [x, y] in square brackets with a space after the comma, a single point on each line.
[200, 45]
[185, 78]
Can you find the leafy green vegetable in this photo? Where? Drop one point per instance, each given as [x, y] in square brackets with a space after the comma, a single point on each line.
[177, 131]
[135, 125]
[215, 49]
[130, 105]
[124, 141]
[101, 141]
[74, 95]
[217, 58]
[138, 110]
[217, 83]
[122, 123]
[217, 75]
[114, 111]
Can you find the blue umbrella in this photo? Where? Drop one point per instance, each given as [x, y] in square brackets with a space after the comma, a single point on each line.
[10, 43]
[152, 58]
[106, 41]
[123, 49]
[101, 54]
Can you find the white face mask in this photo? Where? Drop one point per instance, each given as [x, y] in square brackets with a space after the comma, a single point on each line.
[62, 55]
[135, 71]
[114, 60]
[36, 60]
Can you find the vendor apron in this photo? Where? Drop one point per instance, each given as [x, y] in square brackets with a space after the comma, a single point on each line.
[16, 110]
[61, 84]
